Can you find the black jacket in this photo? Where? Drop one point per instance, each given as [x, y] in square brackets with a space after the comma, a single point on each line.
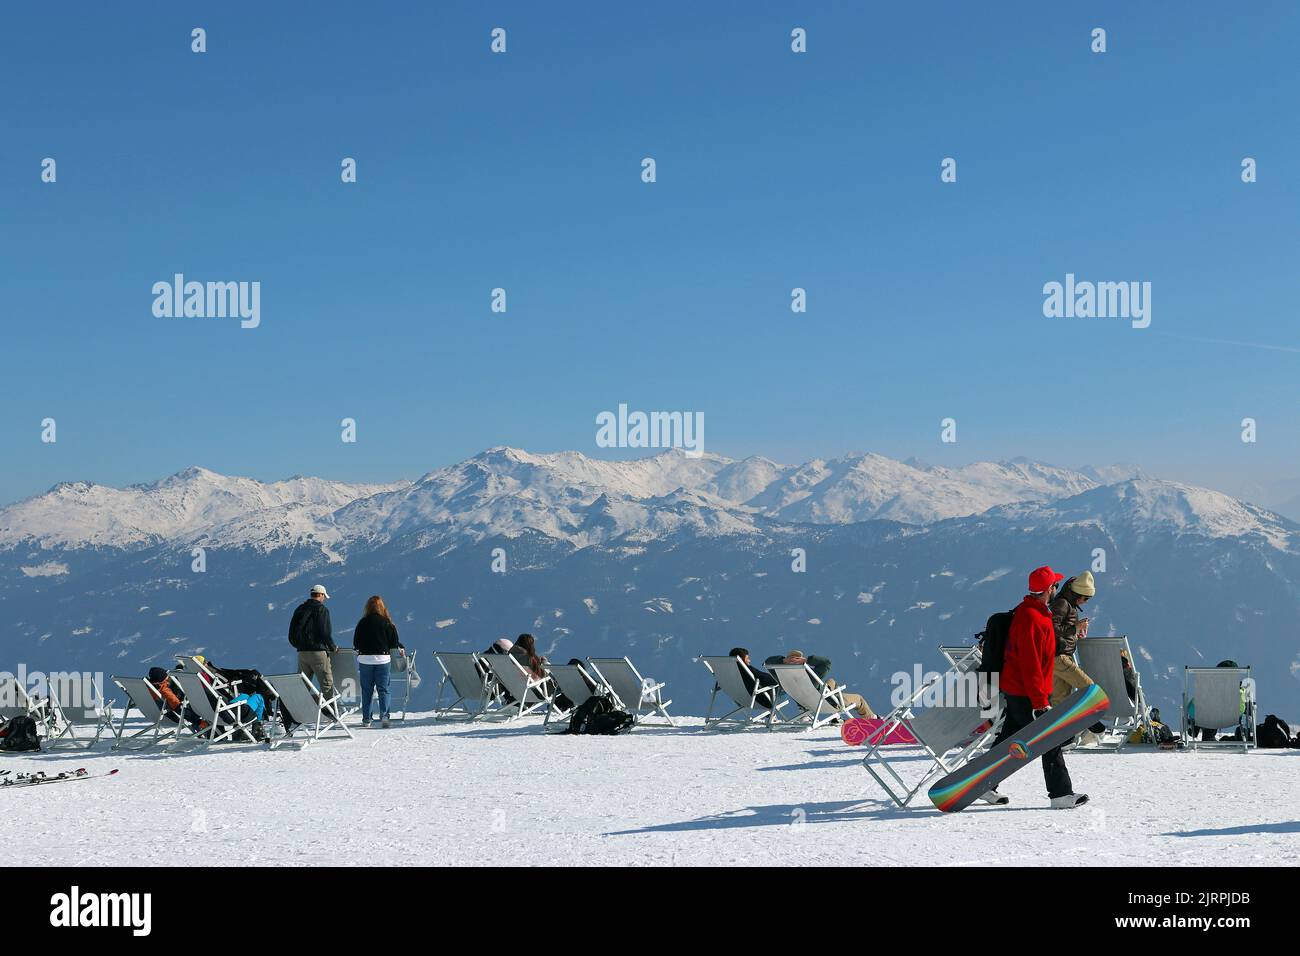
[318, 634]
[375, 635]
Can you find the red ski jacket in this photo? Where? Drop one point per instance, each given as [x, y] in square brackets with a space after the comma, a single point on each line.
[1030, 654]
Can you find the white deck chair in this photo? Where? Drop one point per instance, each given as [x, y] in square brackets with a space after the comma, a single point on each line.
[640, 697]
[946, 736]
[467, 680]
[802, 685]
[1099, 658]
[16, 702]
[530, 693]
[314, 716]
[93, 713]
[347, 679]
[223, 718]
[144, 697]
[402, 673]
[575, 683]
[964, 657]
[728, 678]
[1214, 696]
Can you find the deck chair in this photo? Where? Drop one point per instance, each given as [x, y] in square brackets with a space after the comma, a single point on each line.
[467, 680]
[223, 718]
[964, 657]
[575, 683]
[313, 714]
[1213, 698]
[402, 673]
[144, 697]
[531, 693]
[728, 679]
[1099, 658]
[16, 702]
[821, 704]
[193, 665]
[347, 679]
[94, 714]
[947, 736]
[638, 696]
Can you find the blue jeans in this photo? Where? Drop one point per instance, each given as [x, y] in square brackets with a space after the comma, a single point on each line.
[374, 677]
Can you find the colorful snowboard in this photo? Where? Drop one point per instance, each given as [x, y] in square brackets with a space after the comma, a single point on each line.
[959, 789]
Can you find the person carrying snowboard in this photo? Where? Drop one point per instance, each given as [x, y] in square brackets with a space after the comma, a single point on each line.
[1026, 682]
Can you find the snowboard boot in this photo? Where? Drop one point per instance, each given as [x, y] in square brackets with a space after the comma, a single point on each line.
[1088, 739]
[995, 798]
[1069, 801]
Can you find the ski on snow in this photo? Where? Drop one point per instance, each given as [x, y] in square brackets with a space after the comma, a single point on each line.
[40, 777]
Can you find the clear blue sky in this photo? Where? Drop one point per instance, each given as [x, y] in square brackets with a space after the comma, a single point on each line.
[775, 170]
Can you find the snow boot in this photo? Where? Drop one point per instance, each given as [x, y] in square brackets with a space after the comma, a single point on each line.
[995, 798]
[1069, 801]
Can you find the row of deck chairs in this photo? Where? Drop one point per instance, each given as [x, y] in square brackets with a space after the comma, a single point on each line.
[59, 722]
[208, 695]
[498, 686]
[798, 684]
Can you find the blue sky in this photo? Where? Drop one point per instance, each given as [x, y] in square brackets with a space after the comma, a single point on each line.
[522, 171]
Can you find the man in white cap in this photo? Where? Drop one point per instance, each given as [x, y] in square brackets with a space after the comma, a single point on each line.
[313, 637]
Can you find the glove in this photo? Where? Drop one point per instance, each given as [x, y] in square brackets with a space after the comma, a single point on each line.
[1039, 711]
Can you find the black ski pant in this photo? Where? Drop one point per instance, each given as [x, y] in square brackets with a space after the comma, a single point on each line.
[1019, 713]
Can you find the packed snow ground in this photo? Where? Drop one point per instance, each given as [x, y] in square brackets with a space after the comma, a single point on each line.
[457, 794]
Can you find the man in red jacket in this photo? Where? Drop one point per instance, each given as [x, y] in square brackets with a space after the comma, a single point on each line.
[1026, 682]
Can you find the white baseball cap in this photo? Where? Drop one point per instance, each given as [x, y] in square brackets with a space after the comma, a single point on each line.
[320, 589]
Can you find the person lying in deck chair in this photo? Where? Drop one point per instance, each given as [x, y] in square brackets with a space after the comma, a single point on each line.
[171, 703]
[764, 698]
[500, 646]
[821, 666]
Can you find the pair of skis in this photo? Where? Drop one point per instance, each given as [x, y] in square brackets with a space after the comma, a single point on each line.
[41, 777]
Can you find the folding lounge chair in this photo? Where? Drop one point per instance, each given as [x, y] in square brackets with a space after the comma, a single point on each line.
[728, 678]
[640, 697]
[402, 673]
[947, 736]
[347, 679]
[144, 697]
[1099, 658]
[529, 692]
[223, 718]
[1212, 698]
[461, 671]
[86, 708]
[313, 714]
[821, 704]
[964, 657]
[16, 702]
[574, 683]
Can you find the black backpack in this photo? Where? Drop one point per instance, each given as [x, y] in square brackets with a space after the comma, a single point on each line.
[20, 734]
[298, 636]
[1273, 732]
[598, 715]
[993, 642]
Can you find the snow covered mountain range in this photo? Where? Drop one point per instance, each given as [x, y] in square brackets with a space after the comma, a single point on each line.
[663, 557]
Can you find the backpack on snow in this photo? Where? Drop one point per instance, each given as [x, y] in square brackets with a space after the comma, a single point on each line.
[20, 734]
[1273, 732]
[598, 715]
[993, 642]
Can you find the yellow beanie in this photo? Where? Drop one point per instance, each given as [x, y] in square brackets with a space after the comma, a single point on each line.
[1083, 584]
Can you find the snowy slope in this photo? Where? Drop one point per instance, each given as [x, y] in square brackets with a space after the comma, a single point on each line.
[457, 795]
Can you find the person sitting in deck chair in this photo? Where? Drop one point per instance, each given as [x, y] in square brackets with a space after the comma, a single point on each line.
[764, 698]
[500, 646]
[821, 666]
[1211, 733]
[171, 703]
[525, 652]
